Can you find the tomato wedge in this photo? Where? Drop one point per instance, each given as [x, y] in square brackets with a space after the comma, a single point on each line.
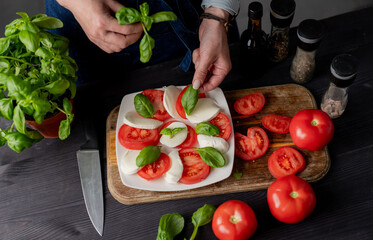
[249, 104]
[286, 161]
[276, 123]
[195, 169]
[179, 107]
[191, 139]
[252, 146]
[137, 138]
[224, 125]
[156, 97]
[156, 169]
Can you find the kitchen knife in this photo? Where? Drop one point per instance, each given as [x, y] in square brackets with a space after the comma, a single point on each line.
[90, 177]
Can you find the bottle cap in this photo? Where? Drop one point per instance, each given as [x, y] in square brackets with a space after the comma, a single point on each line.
[310, 31]
[282, 12]
[255, 10]
[343, 69]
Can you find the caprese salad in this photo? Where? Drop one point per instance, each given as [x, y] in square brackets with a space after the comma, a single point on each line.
[177, 134]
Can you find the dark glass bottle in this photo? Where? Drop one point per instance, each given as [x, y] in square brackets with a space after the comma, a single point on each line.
[253, 44]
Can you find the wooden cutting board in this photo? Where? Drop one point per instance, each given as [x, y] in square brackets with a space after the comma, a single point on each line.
[285, 100]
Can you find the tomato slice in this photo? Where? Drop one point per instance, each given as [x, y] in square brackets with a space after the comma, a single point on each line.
[179, 107]
[252, 146]
[276, 123]
[249, 104]
[195, 169]
[137, 138]
[224, 125]
[156, 97]
[191, 138]
[286, 161]
[156, 169]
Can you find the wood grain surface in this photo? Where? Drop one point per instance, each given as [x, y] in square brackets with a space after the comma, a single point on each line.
[285, 100]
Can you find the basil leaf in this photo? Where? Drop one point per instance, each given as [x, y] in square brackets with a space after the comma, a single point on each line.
[18, 141]
[43, 53]
[170, 225]
[19, 119]
[4, 64]
[147, 21]
[47, 22]
[46, 40]
[189, 99]
[58, 87]
[6, 108]
[127, 16]
[144, 9]
[143, 105]
[163, 17]
[207, 128]
[212, 157]
[42, 107]
[2, 138]
[146, 46]
[28, 26]
[72, 89]
[13, 27]
[24, 16]
[4, 44]
[61, 46]
[172, 132]
[202, 217]
[67, 106]
[29, 39]
[33, 134]
[148, 155]
[237, 175]
[64, 129]
[166, 131]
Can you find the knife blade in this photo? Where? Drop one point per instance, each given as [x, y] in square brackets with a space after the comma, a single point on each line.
[90, 177]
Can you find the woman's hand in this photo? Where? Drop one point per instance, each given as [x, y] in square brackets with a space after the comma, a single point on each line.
[97, 21]
[212, 60]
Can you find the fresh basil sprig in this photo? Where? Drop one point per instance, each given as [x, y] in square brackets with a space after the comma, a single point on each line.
[202, 217]
[170, 225]
[143, 105]
[131, 15]
[189, 99]
[207, 128]
[171, 132]
[148, 155]
[212, 157]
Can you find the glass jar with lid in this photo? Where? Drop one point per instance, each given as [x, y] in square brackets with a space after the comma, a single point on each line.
[282, 14]
[343, 72]
[309, 34]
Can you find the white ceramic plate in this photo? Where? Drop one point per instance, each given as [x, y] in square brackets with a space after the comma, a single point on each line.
[160, 184]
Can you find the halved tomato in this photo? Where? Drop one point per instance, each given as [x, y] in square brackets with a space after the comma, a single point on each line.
[249, 104]
[156, 169]
[156, 97]
[286, 161]
[276, 123]
[179, 107]
[191, 138]
[252, 146]
[224, 125]
[137, 138]
[195, 169]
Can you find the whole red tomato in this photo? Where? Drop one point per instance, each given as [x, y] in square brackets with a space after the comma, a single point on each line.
[234, 220]
[291, 199]
[311, 129]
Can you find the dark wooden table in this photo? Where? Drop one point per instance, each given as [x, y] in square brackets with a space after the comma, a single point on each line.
[41, 196]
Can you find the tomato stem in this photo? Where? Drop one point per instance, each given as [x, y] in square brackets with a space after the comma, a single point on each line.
[294, 194]
[233, 219]
[314, 122]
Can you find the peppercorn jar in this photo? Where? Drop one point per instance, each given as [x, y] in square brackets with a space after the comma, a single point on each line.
[282, 14]
[309, 34]
[343, 72]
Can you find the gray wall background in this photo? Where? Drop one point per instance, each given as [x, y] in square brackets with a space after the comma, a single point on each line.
[316, 9]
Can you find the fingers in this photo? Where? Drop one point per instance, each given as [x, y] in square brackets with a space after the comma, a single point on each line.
[202, 66]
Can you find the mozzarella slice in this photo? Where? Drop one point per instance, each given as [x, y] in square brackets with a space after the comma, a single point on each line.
[170, 96]
[178, 138]
[176, 170]
[128, 162]
[133, 119]
[210, 141]
[204, 111]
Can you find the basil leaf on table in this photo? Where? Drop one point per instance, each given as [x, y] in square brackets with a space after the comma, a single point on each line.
[148, 155]
[18, 141]
[207, 128]
[163, 17]
[202, 217]
[189, 99]
[170, 225]
[212, 157]
[143, 105]
[171, 132]
[127, 16]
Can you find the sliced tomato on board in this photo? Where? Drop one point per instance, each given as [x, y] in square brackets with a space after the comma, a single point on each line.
[137, 138]
[252, 146]
[286, 161]
[195, 169]
[156, 169]
[156, 97]
[179, 107]
[276, 123]
[224, 125]
[191, 138]
[249, 104]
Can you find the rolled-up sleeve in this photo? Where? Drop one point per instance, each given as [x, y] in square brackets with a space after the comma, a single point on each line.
[231, 6]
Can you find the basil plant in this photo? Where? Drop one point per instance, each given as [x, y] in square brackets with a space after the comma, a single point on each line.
[37, 79]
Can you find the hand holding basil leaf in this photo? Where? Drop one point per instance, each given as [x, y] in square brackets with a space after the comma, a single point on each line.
[143, 105]
[212, 157]
[170, 225]
[207, 128]
[148, 155]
